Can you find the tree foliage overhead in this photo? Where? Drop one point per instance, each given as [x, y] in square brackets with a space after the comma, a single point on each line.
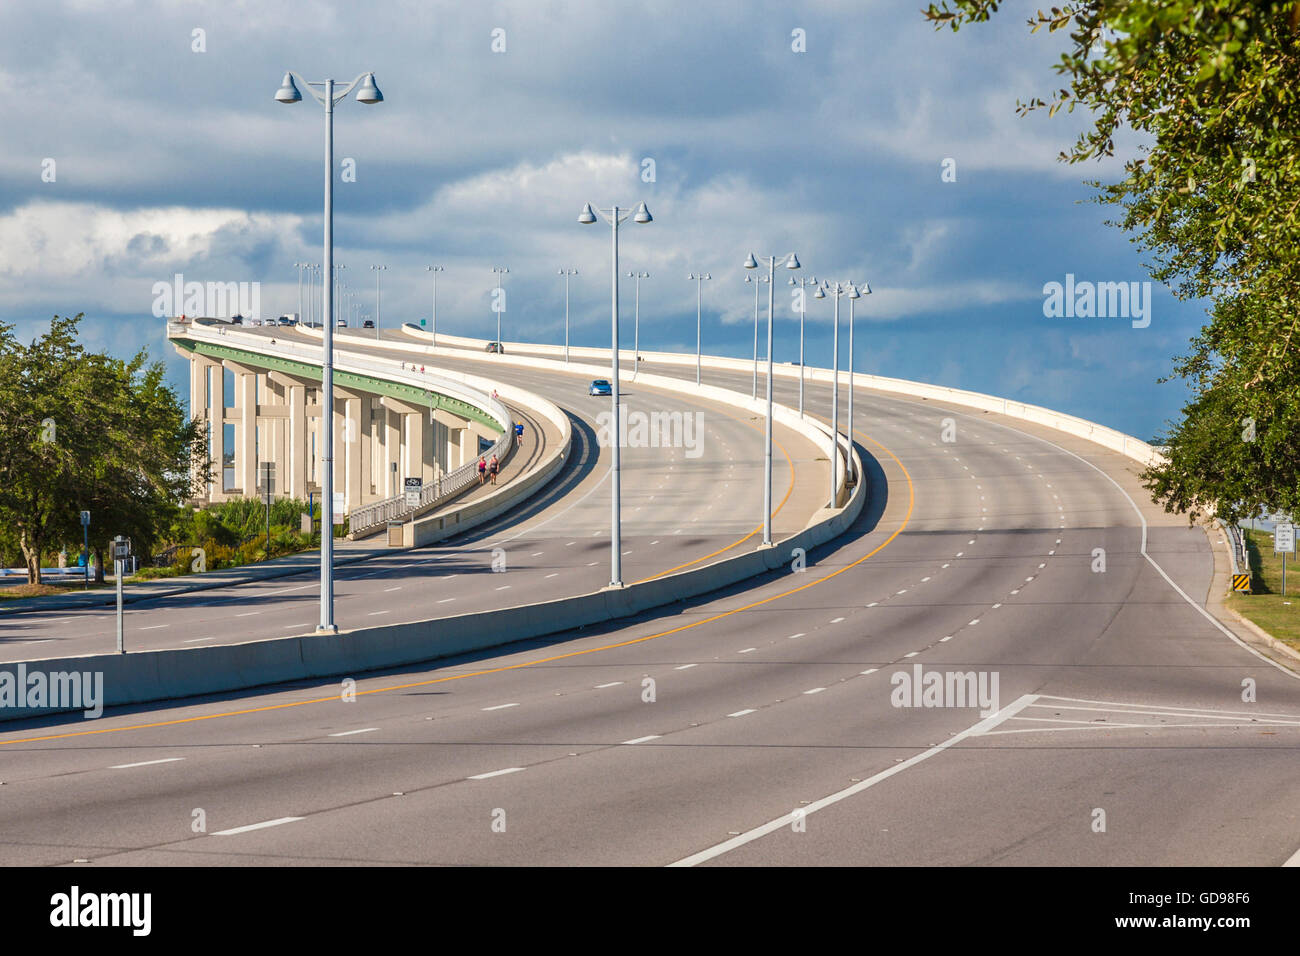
[1214, 203]
[86, 431]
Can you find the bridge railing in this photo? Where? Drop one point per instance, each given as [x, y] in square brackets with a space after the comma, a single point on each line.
[377, 514]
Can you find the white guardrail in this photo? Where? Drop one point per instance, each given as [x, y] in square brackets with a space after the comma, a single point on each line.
[1126, 445]
[376, 514]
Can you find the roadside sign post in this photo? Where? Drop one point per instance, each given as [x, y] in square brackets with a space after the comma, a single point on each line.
[1284, 544]
[412, 488]
[85, 550]
[121, 551]
[266, 474]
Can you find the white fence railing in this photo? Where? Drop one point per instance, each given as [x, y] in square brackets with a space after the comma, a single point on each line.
[377, 514]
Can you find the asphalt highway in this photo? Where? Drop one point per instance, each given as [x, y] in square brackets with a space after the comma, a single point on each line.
[762, 725]
[681, 506]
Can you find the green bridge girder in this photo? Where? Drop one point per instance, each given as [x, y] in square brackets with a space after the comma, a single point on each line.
[365, 383]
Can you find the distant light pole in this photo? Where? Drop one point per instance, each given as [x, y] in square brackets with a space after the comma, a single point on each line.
[756, 280]
[501, 285]
[377, 270]
[836, 289]
[803, 311]
[433, 271]
[566, 273]
[698, 278]
[865, 290]
[615, 217]
[367, 93]
[636, 322]
[335, 307]
[790, 262]
[300, 266]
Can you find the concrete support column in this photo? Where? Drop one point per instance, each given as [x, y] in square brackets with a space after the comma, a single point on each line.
[199, 412]
[298, 442]
[459, 445]
[392, 452]
[413, 464]
[365, 464]
[352, 435]
[217, 431]
[246, 433]
[337, 420]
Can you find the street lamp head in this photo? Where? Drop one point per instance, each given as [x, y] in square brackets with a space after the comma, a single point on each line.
[751, 262]
[793, 263]
[642, 214]
[369, 93]
[820, 293]
[587, 216]
[853, 292]
[288, 92]
[867, 288]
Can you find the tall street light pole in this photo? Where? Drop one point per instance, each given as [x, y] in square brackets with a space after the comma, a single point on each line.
[433, 271]
[803, 311]
[366, 93]
[377, 271]
[500, 306]
[636, 321]
[615, 217]
[836, 289]
[864, 289]
[698, 278]
[790, 262]
[299, 267]
[566, 273]
[757, 281]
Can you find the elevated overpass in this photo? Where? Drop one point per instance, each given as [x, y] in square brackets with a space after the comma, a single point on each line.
[761, 726]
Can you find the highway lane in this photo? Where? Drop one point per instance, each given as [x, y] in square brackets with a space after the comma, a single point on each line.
[679, 508]
[757, 708]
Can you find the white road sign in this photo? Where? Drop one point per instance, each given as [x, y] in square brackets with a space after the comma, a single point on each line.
[1284, 539]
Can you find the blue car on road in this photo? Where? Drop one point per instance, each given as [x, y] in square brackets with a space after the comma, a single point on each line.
[600, 387]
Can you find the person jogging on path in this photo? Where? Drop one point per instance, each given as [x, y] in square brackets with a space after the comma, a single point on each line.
[482, 470]
[494, 468]
[519, 433]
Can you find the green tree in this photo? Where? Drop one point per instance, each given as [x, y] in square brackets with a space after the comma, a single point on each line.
[82, 431]
[1214, 202]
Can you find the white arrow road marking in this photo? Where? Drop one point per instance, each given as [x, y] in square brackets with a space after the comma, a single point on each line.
[257, 826]
[145, 763]
[494, 773]
[783, 821]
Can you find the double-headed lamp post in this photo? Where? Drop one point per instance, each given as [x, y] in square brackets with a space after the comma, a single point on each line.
[367, 92]
[699, 278]
[615, 216]
[433, 319]
[566, 273]
[757, 281]
[864, 289]
[790, 262]
[500, 272]
[803, 311]
[636, 321]
[836, 289]
[377, 270]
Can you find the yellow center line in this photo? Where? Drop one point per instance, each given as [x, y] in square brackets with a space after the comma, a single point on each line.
[788, 491]
[911, 501]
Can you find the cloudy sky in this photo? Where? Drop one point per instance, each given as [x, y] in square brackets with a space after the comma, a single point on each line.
[168, 159]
